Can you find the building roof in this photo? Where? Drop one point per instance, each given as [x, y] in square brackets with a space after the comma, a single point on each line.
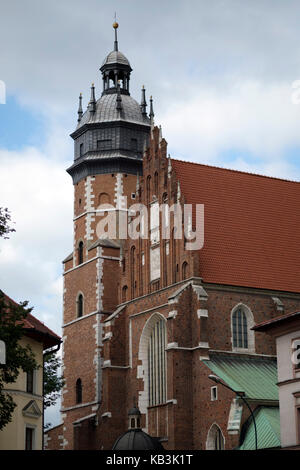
[255, 376]
[116, 57]
[106, 111]
[136, 439]
[288, 318]
[35, 329]
[251, 226]
[268, 429]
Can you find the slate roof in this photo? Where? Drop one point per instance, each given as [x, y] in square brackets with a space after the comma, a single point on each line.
[106, 111]
[116, 57]
[251, 226]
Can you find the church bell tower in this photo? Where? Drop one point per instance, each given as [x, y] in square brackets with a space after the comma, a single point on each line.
[109, 141]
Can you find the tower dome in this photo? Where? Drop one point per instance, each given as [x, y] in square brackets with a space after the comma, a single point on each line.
[135, 438]
[111, 134]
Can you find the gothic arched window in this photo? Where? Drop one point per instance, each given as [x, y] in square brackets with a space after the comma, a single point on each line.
[132, 271]
[157, 363]
[184, 270]
[239, 329]
[215, 438]
[80, 305]
[78, 391]
[124, 293]
[80, 252]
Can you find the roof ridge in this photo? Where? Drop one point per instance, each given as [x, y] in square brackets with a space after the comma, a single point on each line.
[236, 171]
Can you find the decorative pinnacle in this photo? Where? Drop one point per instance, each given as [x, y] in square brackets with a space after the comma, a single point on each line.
[143, 102]
[151, 114]
[92, 103]
[80, 112]
[115, 26]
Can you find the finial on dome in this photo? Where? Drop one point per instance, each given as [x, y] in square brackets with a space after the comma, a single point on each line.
[115, 26]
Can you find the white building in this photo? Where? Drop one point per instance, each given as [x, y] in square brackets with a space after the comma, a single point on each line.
[286, 330]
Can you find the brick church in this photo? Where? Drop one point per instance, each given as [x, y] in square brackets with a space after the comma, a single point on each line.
[147, 320]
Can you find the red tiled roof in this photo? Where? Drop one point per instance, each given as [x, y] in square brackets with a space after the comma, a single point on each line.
[251, 226]
[36, 328]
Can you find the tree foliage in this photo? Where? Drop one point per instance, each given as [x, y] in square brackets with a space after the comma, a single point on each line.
[53, 381]
[5, 220]
[18, 357]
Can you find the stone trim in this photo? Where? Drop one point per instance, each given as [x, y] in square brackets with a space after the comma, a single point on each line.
[171, 346]
[148, 310]
[82, 405]
[78, 421]
[81, 318]
[250, 290]
[79, 265]
[202, 313]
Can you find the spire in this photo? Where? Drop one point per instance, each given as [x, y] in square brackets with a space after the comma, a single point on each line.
[115, 26]
[80, 112]
[151, 114]
[143, 102]
[92, 103]
[119, 99]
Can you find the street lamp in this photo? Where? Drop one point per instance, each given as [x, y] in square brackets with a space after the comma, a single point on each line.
[217, 380]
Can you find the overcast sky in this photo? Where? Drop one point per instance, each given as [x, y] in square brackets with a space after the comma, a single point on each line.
[221, 76]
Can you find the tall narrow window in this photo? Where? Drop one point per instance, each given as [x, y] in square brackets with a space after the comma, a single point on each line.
[30, 381]
[81, 150]
[80, 253]
[132, 271]
[29, 436]
[219, 441]
[80, 306]
[215, 439]
[134, 144]
[239, 329]
[184, 270]
[157, 364]
[124, 293]
[78, 391]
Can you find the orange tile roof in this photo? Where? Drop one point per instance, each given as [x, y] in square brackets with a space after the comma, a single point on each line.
[251, 226]
[35, 328]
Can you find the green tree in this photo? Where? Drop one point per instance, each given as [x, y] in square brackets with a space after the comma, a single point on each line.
[5, 220]
[18, 357]
[53, 381]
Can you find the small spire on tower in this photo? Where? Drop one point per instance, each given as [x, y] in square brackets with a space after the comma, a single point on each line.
[80, 112]
[151, 114]
[143, 102]
[92, 103]
[115, 26]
